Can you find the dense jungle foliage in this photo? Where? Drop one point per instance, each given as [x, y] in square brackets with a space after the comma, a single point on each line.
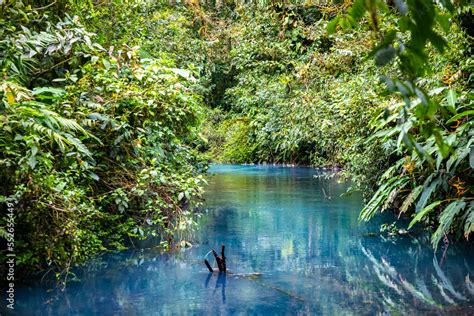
[382, 89]
[100, 126]
[111, 110]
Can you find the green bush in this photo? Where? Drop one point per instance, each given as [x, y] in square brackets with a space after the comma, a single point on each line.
[98, 144]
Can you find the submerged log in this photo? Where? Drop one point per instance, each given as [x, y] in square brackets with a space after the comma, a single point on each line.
[222, 267]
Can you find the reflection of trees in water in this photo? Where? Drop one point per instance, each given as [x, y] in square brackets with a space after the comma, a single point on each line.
[305, 245]
[285, 226]
[114, 283]
[373, 276]
[410, 277]
[317, 251]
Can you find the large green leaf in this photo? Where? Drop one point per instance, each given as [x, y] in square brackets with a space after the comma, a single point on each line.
[460, 115]
[452, 98]
[420, 215]
[428, 188]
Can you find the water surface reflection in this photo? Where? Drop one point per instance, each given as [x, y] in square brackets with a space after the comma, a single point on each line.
[313, 256]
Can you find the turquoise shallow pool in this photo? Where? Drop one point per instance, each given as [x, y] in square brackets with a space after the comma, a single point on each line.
[294, 229]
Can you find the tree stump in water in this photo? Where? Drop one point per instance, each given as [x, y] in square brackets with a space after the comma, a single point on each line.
[208, 265]
[221, 265]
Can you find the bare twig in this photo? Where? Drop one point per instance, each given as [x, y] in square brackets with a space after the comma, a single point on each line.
[45, 7]
[54, 66]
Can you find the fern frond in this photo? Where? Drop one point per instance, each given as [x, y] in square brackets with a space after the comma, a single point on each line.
[420, 215]
[78, 145]
[3, 233]
[382, 194]
[446, 219]
[412, 196]
[64, 123]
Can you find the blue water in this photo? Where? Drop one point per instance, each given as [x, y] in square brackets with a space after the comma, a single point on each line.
[294, 229]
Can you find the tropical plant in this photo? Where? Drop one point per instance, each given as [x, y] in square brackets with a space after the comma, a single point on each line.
[98, 145]
[432, 125]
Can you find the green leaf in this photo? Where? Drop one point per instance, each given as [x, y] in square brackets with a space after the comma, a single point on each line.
[332, 25]
[460, 115]
[451, 98]
[358, 9]
[344, 23]
[438, 42]
[32, 162]
[428, 188]
[423, 213]
[422, 96]
[411, 198]
[106, 64]
[34, 150]
[55, 91]
[444, 148]
[444, 22]
[93, 176]
[412, 144]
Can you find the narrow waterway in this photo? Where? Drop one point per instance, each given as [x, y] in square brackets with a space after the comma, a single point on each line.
[293, 227]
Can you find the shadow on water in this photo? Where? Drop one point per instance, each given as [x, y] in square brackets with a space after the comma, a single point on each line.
[310, 253]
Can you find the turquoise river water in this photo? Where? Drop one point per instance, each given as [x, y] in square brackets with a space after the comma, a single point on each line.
[299, 234]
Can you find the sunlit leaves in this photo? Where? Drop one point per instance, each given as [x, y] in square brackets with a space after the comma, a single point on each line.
[411, 197]
[452, 98]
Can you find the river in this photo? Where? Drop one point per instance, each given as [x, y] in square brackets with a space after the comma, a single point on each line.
[291, 226]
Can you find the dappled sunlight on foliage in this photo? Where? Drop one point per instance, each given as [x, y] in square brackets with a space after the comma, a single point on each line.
[99, 141]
